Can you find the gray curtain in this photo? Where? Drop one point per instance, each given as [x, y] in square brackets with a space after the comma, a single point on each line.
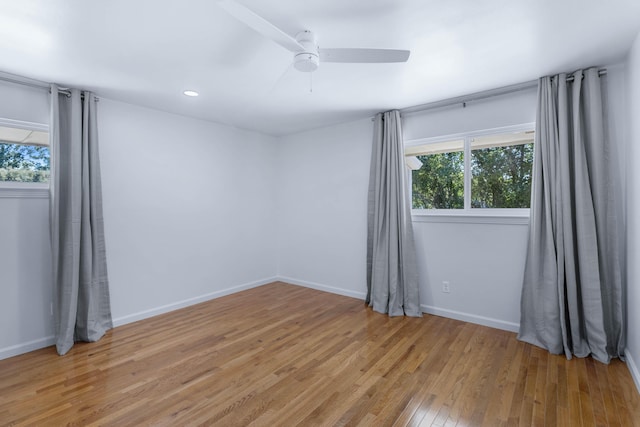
[572, 299]
[392, 275]
[81, 289]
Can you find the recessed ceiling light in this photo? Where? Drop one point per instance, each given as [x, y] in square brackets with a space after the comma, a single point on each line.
[190, 93]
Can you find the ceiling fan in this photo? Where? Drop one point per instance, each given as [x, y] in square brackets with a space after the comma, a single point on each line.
[306, 53]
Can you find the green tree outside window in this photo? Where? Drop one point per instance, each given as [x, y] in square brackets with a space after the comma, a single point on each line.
[500, 172]
[24, 163]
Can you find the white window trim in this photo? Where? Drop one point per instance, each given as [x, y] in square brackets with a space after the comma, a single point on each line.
[468, 214]
[20, 124]
[495, 216]
[24, 190]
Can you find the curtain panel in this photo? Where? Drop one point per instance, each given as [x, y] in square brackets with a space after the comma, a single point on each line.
[81, 286]
[392, 273]
[572, 296]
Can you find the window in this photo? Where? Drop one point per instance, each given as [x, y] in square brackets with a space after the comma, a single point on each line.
[24, 152]
[475, 171]
[501, 168]
[437, 181]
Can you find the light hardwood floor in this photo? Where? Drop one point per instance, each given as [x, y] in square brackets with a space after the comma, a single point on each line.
[285, 355]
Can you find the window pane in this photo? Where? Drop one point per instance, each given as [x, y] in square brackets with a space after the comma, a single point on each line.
[501, 170]
[24, 163]
[439, 182]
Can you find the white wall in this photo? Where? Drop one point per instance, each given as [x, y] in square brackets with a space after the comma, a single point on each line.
[20, 102]
[323, 181]
[25, 266]
[483, 263]
[482, 259]
[633, 211]
[189, 209]
[25, 275]
[498, 111]
[323, 178]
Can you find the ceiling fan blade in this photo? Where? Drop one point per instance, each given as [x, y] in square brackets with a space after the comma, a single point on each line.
[363, 55]
[259, 24]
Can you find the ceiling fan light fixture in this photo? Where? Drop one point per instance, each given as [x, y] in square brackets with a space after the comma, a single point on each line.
[306, 62]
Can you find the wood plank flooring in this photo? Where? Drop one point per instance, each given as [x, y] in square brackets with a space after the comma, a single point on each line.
[282, 355]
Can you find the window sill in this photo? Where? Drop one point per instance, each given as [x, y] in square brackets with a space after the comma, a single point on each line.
[474, 216]
[24, 190]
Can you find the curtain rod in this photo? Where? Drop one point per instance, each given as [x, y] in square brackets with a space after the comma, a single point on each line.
[480, 95]
[25, 81]
[601, 72]
[471, 97]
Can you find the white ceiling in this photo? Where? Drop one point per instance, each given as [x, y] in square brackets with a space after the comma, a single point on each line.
[147, 52]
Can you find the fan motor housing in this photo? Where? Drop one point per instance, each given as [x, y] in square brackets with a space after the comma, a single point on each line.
[307, 60]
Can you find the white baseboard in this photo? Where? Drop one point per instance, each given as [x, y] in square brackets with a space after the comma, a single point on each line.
[471, 318]
[325, 288]
[130, 318]
[26, 347]
[633, 368]
[466, 317]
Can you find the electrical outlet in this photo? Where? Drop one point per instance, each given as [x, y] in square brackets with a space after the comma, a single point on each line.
[445, 287]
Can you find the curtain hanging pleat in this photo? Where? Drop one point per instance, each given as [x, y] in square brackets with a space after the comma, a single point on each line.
[392, 274]
[81, 288]
[572, 289]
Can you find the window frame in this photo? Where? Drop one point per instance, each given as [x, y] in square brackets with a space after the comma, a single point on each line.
[24, 189]
[468, 214]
